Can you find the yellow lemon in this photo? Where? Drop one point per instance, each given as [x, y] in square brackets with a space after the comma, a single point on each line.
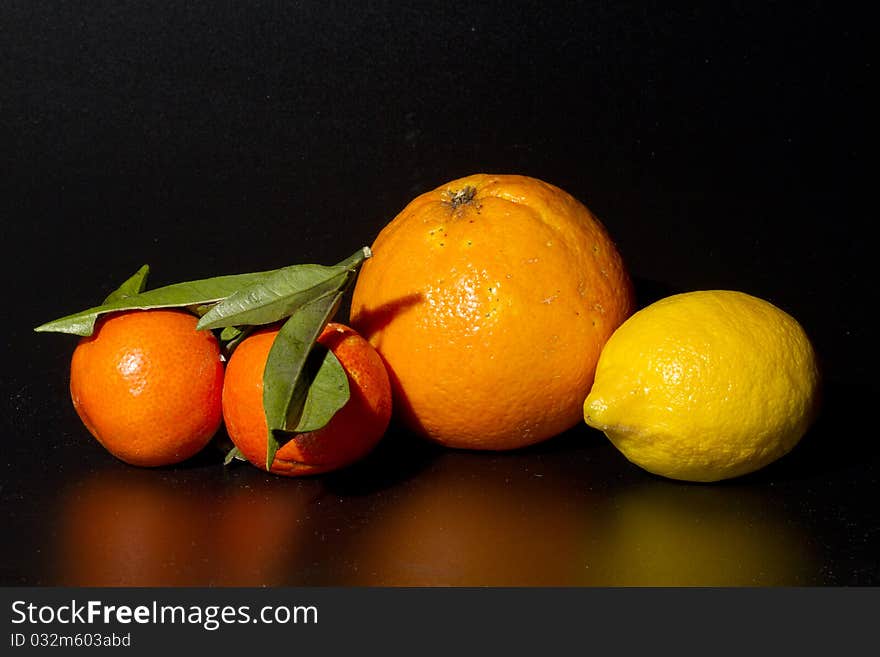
[705, 386]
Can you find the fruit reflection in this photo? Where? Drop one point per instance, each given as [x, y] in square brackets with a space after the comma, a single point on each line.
[466, 519]
[475, 520]
[258, 528]
[127, 527]
[670, 534]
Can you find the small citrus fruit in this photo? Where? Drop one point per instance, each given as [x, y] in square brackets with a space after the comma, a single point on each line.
[705, 386]
[351, 434]
[147, 385]
[489, 299]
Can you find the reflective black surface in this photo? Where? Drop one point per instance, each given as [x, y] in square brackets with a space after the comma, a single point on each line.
[723, 148]
[569, 512]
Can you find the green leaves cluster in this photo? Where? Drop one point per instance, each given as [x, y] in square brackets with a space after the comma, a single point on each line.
[304, 384]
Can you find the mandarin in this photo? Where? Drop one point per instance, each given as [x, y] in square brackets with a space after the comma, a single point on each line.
[489, 299]
[147, 385]
[352, 432]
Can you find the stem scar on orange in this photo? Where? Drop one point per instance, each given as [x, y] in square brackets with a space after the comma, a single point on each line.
[354, 430]
[147, 385]
[489, 299]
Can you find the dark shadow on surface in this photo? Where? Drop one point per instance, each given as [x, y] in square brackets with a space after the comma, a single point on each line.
[399, 456]
[402, 455]
[576, 437]
[212, 455]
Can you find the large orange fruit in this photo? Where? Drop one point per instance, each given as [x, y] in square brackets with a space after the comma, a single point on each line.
[489, 299]
[350, 435]
[147, 385]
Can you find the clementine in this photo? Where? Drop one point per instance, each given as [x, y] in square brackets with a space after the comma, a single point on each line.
[489, 299]
[147, 385]
[351, 434]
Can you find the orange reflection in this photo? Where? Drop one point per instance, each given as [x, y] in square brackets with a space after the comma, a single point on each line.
[259, 525]
[464, 522]
[128, 527]
[131, 527]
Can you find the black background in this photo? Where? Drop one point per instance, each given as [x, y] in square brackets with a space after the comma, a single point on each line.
[724, 146]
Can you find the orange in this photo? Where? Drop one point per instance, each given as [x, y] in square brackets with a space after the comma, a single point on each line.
[489, 299]
[350, 435]
[147, 386]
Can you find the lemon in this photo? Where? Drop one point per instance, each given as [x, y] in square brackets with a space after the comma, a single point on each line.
[705, 386]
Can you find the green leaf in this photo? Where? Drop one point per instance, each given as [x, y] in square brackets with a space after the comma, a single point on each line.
[327, 393]
[275, 298]
[281, 294]
[230, 333]
[232, 336]
[133, 285]
[191, 293]
[286, 379]
[233, 454]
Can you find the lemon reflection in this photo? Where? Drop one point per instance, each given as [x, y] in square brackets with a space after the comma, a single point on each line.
[671, 534]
